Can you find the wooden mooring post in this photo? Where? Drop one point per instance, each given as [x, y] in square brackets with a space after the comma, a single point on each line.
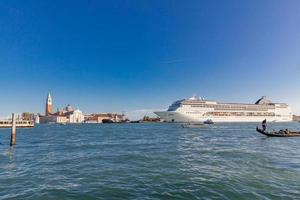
[13, 130]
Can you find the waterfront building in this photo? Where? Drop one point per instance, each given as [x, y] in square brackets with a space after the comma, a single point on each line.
[119, 118]
[53, 119]
[76, 116]
[61, 119]
[98, 118]
[198, 110]
[67, 115]
[150, 119]
[36, 119]
[296, 118]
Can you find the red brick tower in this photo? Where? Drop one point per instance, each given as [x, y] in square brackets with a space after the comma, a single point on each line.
[48, 105]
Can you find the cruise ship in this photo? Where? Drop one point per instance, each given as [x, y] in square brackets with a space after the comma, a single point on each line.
[197, 109]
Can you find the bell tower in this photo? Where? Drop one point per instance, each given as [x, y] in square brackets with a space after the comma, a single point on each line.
[48, 105]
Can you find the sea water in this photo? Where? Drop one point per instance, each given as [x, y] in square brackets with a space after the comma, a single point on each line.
[149, 161]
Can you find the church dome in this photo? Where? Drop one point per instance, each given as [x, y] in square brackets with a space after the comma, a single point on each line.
[69, 108]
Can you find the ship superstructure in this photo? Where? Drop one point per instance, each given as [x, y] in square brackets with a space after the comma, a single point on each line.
[199, 110]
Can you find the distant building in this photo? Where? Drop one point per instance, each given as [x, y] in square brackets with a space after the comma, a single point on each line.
[67, 115]
[61, 119]
[151, 119]
[98, 118]
[296, 118]
[76, 116]
[36, 119]
[48, 119]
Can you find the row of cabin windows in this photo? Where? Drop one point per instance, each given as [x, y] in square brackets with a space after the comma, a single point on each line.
[193, 112]
[225, 107]
[240, 114]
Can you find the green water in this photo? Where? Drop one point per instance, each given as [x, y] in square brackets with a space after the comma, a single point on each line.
[149, 161]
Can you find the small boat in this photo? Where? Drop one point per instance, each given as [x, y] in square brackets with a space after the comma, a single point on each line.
[138, 121]
[209, 121]
[193, 125]
[107, 121]
[281, 133]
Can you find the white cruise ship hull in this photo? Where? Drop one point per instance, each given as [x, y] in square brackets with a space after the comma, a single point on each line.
[200, 110]
[170, 116]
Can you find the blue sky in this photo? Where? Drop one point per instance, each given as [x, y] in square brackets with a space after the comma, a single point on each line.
[136, 56]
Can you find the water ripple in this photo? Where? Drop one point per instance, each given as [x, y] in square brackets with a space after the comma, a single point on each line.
[149, 161]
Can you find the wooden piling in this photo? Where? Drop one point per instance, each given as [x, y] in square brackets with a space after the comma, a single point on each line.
[13, 130]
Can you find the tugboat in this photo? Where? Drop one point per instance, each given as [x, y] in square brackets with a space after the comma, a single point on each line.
[107, 121]
[133, 122]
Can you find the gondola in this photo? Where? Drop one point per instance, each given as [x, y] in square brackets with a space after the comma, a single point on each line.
[278, 134]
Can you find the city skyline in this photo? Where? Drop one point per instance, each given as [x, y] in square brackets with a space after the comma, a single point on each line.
[136, 57]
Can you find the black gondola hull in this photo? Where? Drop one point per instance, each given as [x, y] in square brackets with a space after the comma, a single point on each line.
[277, 134]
